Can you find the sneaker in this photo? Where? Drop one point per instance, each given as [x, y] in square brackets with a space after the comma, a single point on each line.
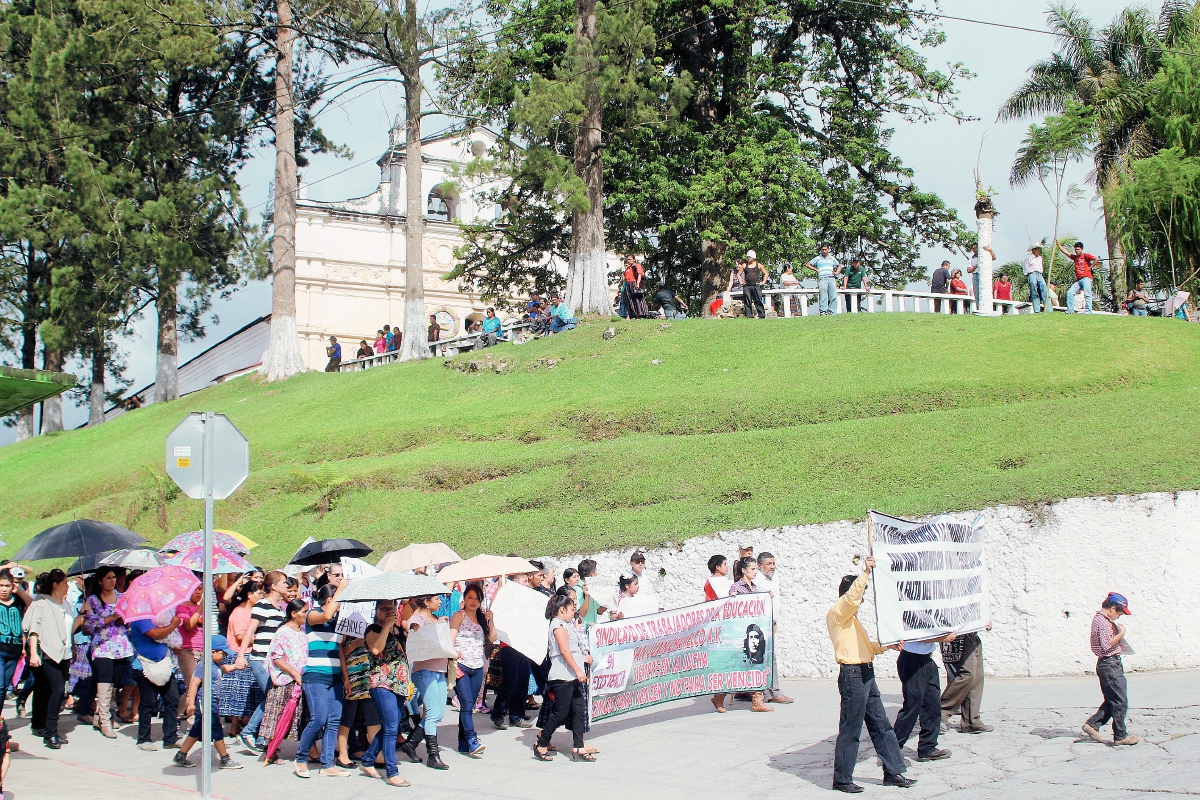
[149, 747]
[476, 747]
[523, 723]
[181, 760]
[1129, 739]
[228, 763]
[249, 744]
[1092, 733]
[500, 724]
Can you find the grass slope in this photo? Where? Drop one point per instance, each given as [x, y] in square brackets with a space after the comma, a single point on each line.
[742, 424]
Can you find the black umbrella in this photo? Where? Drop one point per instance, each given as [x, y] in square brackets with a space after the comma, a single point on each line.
[77, 538]
[86, 564]
[328, 551]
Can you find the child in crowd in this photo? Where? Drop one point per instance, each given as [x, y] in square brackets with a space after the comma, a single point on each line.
[219, 646]
[1106, 641]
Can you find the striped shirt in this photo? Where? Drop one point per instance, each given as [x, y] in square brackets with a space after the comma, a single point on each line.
[269, 617]
[1103, 631]
[323, 665]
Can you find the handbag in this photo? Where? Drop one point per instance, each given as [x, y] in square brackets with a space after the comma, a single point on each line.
[431, 640]
[157, 672]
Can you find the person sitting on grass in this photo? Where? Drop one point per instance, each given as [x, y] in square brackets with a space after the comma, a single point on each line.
[561, 318]
[218, 733]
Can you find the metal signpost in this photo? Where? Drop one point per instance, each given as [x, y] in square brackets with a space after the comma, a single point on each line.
[209, 458]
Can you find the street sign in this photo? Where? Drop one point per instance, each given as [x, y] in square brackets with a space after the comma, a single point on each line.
[230, 456]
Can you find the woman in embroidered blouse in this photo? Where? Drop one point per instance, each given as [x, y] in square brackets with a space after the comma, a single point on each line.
[390, 689]
[111, 648]
[285, 664]
[470, 630]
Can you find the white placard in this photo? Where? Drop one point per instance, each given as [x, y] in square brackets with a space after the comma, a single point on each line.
[355, 568]
[353, 618]
[519, 614]
[930, 578]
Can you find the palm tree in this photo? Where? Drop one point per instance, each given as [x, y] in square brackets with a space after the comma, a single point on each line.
[1105, 70]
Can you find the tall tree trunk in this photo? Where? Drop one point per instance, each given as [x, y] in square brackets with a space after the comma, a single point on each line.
[587, 274]
[984, 218]
[284, 359]
[52, 416]
[96, 395]
[712, 267]
[166, 376]
[1119, 278]
[29, 332]
[415, 343]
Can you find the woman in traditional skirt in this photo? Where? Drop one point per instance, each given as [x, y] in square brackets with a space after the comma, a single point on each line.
[286, 661]
[239, 692]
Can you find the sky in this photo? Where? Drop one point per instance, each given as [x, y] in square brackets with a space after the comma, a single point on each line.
[943, 154]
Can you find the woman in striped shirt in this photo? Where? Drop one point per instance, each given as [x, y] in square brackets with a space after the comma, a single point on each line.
[323, 687]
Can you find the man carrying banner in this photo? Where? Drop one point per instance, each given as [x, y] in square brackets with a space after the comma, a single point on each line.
[861, 701]
[922, 697]
[963, 660]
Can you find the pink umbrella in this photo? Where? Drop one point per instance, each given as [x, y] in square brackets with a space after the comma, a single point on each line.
[192, 539]
[223, 560]
[161, 589]
[285, 722]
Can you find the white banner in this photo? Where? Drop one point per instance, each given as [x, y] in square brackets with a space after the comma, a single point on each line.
[353, 618]
[930, 578]
[519, 614]
[355, 568]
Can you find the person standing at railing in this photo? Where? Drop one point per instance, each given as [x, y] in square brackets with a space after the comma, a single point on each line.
[855, 278]
[364, 350]
[389, 339]
[973, 267]
[380, 343]
[1002, 290]
[1083, 276]
[828, 269]
[753, 278]
[789, 281]
[334, 351]
[940, 284]
[958, 287]
[435, 331]
[1032, 268]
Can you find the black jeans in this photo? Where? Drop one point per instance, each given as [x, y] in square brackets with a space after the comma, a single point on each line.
[109, 670]
[922, 699]
[752, 301]
[861, 703]
[49, 682]
[568, 707]
[514, 685]
[148, 697]
[1116, 696]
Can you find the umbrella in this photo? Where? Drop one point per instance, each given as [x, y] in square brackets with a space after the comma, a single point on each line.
[281, 727]
[391, 586]
[85, 564]
[249, 543]
[79, 537]
[161, 589]
[224, 561]
[194, 539]
[484, 566]
[132, 558]
[416, 556]
[329, 551]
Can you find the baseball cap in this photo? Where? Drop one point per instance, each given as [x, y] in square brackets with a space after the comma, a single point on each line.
[750, 254]
[638, 557]
[1119, 601]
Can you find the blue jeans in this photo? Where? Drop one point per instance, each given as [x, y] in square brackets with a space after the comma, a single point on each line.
[8, 668]
[431, 686]
[259, 667]
[1086, 285]
[975, 280]
[827, 299]
[1139, 312]
[325, 710]
[1037, 291]
[388, 705]
[467, 689]
[1116, 696]
[558, 324]
[862, 703]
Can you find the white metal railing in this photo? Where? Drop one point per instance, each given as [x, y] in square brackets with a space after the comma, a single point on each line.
[795, 301]
[443, 347]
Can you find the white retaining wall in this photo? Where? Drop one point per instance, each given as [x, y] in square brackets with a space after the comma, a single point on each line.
[1049, 568]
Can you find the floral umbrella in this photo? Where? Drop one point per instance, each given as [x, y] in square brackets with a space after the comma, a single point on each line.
[193, 539]
[223, 560]
[161, 589]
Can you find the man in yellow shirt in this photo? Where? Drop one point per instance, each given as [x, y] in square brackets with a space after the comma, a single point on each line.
[861, 701]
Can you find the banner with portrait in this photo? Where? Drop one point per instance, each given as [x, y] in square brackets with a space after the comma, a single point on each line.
[720, 646]
[930, 578]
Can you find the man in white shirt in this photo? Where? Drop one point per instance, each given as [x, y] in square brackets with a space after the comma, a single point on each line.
[647, 598]
[768, 580]
[1033, 268]
[973, 267]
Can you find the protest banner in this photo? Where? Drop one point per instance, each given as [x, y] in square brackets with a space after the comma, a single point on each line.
[720, 646]
[355, 568]
[353, 618]
[930, 578]
[519, 614]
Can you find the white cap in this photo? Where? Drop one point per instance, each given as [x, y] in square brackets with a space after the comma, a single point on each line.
[753, 256]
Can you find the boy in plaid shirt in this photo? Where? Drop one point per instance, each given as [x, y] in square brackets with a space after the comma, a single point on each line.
[1106, 639]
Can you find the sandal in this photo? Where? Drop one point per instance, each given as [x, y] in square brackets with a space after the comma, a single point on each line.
[542, 753]
[582, 755]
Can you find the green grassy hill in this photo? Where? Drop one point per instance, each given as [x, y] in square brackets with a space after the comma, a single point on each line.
[579, 443]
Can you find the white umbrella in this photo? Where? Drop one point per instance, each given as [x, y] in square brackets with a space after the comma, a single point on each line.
[391, 586]
[417, 556]
[484, 566]
[132, 558]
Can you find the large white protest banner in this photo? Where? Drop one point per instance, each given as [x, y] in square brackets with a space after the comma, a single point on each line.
[519, 614]
[930, 577]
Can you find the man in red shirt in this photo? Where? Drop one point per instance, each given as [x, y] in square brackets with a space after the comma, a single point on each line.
[1083, 276]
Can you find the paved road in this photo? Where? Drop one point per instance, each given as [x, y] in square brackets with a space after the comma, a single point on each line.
[683, 749]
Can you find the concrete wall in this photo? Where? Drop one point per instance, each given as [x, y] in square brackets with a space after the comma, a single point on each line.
[1049, 568]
